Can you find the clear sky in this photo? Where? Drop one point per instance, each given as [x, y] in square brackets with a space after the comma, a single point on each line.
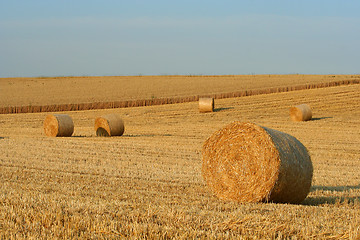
[164, 37]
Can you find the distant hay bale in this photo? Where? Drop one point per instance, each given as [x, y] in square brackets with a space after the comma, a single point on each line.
[206, 105]
[300, 112]
[245, 162]
[109, 125]
[58, 125]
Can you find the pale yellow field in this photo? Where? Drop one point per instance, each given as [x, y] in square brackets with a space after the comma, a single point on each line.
[148, 183]
[72, 90]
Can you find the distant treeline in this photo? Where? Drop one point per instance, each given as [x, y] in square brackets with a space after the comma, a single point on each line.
[162, 101]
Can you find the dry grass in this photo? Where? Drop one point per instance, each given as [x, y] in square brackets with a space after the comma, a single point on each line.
[148, 183]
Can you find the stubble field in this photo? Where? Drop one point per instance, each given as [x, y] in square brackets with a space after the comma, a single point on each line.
[148, 184]
[74, 90]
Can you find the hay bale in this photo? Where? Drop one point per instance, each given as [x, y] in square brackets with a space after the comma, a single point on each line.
[300, 112]
[245, 162]
[58, 125]
[206, 105]
[109, 125]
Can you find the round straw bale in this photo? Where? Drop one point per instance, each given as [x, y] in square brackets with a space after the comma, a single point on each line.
[300, 112]
[58, 125]
[245, 162]
[206, 105]
[109, 125]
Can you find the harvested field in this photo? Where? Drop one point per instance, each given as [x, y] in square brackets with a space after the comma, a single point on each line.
[26, 95]
[148, 183]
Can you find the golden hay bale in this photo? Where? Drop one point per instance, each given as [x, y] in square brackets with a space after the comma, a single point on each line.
[300, 112]
[109, 125]
[206, 105]
[245, 162]
[58, 125]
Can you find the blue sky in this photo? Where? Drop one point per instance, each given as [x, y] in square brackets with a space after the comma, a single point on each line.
[108, 37]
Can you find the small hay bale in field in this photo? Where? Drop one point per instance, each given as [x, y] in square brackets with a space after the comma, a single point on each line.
[300, 112]
[58, 125]
[109, 125]
[245, 162]
[206, 105]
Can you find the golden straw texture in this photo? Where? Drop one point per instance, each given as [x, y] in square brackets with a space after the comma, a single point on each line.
[300, 112]
[58, 125]
[245, 162]
[165, 100]
[206, 105]
[109, 125]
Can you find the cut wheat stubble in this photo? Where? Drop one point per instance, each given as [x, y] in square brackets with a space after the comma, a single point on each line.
[58, 125]
[109, 125]
[300, 112]
[245, 162]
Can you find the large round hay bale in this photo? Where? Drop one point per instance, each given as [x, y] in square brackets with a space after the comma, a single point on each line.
[300, 112]
[206, 105]
[58, 125]
[245, 162]
[109, 125]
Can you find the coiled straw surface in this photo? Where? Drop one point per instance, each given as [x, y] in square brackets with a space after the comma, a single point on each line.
[206, 105]
[109, 125]
[245, 162]
[58, 125]
[301, 112]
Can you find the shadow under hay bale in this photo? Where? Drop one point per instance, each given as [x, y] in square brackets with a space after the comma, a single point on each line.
[245, 162]
[222, 109]
[334, 197]
[320, 118]
[300, 112]
[58, 125]
[206, 105]
[109, 125]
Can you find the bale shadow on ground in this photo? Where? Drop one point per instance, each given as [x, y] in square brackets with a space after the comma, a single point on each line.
[320, 118]
[321, 200]
[147, 135]
[318, 201]
[82, 136]
[222, 109]
[334, 188]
